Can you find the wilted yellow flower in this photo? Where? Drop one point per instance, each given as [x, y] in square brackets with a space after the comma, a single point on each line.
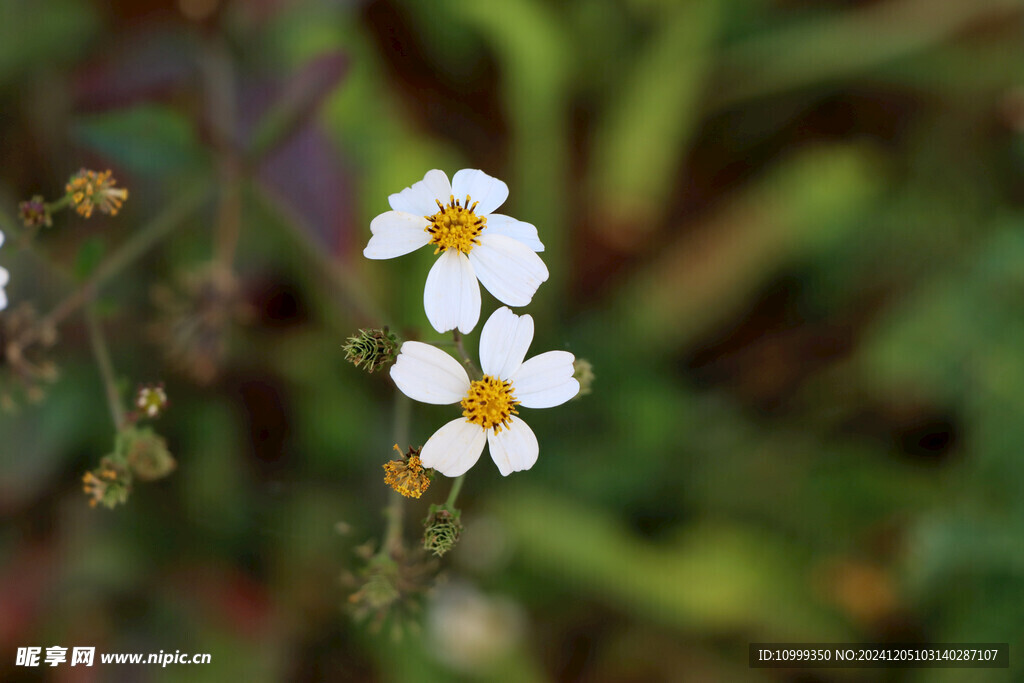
[407, 476]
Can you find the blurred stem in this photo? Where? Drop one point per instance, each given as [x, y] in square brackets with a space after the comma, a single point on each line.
[102, 354]
[229, 213]
[143, 240]
[454, 493]
[221, 99]
[393, 535]
[356, 300]
[476, 374]
[58, 205]
[474, 371]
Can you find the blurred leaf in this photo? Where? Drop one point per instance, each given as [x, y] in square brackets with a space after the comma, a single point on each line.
[307, 176]
[146, 138]
[298, 102]
[42, 439]
[806, 203]
[33, 33]
[536, 65]
[216, 489]
[845, 43]
[717, 576]
[89, 256]
[649, 119]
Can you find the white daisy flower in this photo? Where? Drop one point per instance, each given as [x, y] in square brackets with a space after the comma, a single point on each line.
[474, 243]
[4, 278]
[429, 375]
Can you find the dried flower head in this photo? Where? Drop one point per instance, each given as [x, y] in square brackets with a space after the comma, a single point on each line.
[151, 400]
[407, 476]
[145, 452]
[442, 529]
[24, 367]
[107, 485]
[90, 190]
[194, 319]
[34, 213]
[390, 587]
[371, 349]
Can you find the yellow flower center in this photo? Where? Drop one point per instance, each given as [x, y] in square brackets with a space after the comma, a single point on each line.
[490, 402]
[455, 226]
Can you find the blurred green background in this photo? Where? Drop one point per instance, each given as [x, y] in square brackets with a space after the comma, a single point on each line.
[788, 234]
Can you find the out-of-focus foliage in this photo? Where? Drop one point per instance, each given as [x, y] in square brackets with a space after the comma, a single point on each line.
[788, 235]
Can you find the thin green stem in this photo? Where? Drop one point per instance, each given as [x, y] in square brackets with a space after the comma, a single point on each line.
[357, 301]
[454, 493]
[102, 354]
[143, 240]
[58, 204]
[394, 512]
[477, 374]
[466, 360]
[218, 75]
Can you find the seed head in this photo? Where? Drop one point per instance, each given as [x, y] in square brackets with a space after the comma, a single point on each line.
[442, 529]
[372, 349]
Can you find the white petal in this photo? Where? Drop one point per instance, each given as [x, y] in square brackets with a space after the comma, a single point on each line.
[427, 374]
[4, 276]
[396, 233]
[515, 448]
[419, 199]
[451, 296]
[504, 341]
[508, 269]
[1, 238]
[490, 192]
[546, 380]
[454, 448]
[499, 224]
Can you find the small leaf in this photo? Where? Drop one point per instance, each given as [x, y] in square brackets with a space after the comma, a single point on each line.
[89, 256]
[146, 138]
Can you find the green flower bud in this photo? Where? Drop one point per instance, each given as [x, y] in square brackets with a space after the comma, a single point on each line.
[583, 372]
[442, 529]
[371, 350]
[145, 452]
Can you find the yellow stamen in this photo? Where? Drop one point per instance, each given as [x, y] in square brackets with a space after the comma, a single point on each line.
[455, 226]
[490, 402]
[407, 476]
[90, 190]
